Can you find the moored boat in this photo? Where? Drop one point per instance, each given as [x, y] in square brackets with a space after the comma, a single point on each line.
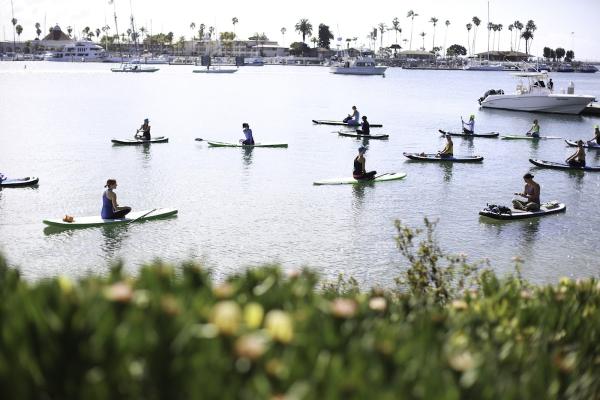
[358, 66]
[19, 182]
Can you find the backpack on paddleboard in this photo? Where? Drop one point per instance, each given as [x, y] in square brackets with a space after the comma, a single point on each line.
[496, 209]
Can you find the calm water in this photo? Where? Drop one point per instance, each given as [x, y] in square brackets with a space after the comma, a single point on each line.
[242, 208]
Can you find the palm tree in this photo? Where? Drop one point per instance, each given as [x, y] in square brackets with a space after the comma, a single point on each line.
[105, 29]
[211, 31]
[477, 22]
[528, 34]
[314, 41]
[396, 27]
[434, 21]
[411, 14]
[19, 30]
[201, 31]
[69, 30]
[382, 28]
[499, 27]
[469, 27]
[14, 23]
[234, 21]
[304, 28]
[142, 35]
[447, 23]
[86, 31]
[490, 27]
[510, 28]
[38, 31]
[422, 34]
[98, 31]
[518, 26]
[193, 29]
[283, 31]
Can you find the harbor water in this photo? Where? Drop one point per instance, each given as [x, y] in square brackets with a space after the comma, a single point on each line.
[240, 208]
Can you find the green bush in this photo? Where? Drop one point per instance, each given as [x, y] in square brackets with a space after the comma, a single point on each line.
[447, 332]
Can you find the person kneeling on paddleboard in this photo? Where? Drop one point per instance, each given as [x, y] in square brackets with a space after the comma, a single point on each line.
[596, 139]
[145, 129]
[531, 193]
[249, 141]
[534, 131]
[110, 207]
[448, 150]
[578, 158]
[354, 118]
[365, 127]
[469, 127]
[360, 164]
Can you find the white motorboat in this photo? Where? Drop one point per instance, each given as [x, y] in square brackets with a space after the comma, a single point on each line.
[84, 51]
[125, 67]
[483, 66]
[358, 66]
[535, 96]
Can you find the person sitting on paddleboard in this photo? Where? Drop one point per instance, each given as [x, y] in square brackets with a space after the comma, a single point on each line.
[534, 131]
[354, 118]
[468, 127]
[145, 129]
[578, 158]
[110, 207]
[596, 139]
[531, 193]
[249, 141]
[447, 151]
[365, 127]
[360, 163]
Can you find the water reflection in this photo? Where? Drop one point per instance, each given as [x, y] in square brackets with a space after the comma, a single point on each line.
[525, 231]
[447, 168]
[145, 154]
[113, 236]
[358, 195]
[247, 156]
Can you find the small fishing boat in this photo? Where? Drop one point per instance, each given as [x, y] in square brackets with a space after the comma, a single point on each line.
[126, 67]
[437, 158]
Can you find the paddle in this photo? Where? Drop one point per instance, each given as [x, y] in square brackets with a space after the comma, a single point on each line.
[142, 216]
[379, 176]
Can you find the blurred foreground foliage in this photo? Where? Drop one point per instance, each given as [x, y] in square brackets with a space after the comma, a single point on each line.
[449, 330]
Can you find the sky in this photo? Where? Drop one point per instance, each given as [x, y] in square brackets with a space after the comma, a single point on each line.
[568, 24]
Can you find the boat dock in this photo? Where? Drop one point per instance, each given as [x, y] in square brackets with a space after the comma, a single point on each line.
[593, 109]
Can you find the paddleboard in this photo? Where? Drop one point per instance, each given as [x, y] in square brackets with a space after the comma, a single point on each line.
[392, 176]
[327, 122]
[84, 222]
[222, 144]
[524, 137]
[19, 182]
[545, 209]
[359, 135]
[586, 145]
[435, 157]
[556, 165]
[471, 135]
[158, 139]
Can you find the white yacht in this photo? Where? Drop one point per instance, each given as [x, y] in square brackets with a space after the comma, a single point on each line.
[483, 66]
[78, 52]
[358, 66]
[535, 96]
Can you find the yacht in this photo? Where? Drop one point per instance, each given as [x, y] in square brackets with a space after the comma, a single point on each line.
[588, 69]
[78, 52]
[534, 96]
[358, 66]
[483, 66]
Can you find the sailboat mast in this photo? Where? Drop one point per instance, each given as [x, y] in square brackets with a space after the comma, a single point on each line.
[488, 29]
[133, 32]
[117, 27]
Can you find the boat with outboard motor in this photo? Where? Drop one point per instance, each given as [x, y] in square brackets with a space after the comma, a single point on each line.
[358, 66]
[535, 96]
[126, 67]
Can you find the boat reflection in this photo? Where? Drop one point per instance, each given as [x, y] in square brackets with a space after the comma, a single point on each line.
[113, 237]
